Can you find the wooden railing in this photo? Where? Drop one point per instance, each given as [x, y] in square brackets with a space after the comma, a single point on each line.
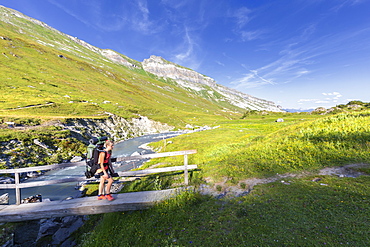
[18, 185]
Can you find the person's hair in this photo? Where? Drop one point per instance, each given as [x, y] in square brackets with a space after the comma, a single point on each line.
[108, 143]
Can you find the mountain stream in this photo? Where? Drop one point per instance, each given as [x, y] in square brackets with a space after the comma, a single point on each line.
[69, 190]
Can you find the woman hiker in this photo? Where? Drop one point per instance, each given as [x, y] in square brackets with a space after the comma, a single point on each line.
[105, 165]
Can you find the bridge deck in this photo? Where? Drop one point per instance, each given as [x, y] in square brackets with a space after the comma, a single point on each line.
[84, 206]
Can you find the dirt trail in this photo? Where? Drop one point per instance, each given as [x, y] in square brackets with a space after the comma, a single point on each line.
[234, 191]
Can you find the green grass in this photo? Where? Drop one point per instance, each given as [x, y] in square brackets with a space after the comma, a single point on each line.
[330, 212]
[304, 213]
[260, 147]
[85, 84]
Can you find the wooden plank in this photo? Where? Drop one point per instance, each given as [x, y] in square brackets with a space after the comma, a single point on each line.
[155, 170]
[84, 206]
[186, 169]
[157, 155]
[78, 179]
[42, 183]
[17, 189]
[42, 168]
[7, 186]
[54, 181]
[82, 163]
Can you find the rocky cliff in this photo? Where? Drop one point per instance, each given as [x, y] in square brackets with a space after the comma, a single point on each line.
[17, 152]
[117, 128]
[195, 81]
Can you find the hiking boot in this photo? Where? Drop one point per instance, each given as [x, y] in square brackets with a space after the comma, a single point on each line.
[109, 197]
[101, 197]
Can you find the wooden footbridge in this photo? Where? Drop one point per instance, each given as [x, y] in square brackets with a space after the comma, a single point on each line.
[88, 205]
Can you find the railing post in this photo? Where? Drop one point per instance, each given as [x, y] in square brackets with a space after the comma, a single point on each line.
[186, 169]
[17, 189]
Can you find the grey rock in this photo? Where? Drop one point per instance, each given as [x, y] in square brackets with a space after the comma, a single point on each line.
[4, 199]
[48, 227]
[70, 226]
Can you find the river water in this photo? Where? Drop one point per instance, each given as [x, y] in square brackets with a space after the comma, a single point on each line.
[62, 191]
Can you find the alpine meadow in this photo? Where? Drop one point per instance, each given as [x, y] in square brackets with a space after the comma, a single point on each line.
[301, 181]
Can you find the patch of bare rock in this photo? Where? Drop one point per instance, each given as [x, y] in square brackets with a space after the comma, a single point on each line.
[222, 189]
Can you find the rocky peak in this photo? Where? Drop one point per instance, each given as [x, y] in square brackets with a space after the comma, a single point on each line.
[115, 57]
[195, 81]
[163, 68]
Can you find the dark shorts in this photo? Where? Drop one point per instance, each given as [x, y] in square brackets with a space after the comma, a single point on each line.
[98, 175]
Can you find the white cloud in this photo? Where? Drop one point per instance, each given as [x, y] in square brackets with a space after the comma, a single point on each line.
[242, 17]
[333, 93]
[335, 96]
[306, 100]
[250, 35]
[329, 98]
[220, 63]
[300, 54]
[186, 47]
[140, 20]
[322, 102]
[252, 80]
[186, 53]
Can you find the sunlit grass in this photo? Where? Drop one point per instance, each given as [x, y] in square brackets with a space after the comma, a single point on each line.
[261, 147]
[82, 83]
[331, 212]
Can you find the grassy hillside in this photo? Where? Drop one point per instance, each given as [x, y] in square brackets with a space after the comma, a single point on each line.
[44, 68]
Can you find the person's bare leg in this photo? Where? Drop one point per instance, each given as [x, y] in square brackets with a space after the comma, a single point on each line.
[101, 186]
[109, 185]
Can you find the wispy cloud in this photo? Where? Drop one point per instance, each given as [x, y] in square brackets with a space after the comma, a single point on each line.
[242, 17]
[134, 15]
[345, 3]
[186, 28]
[287, 68]
[329, 98]
[187, 55]
[70, 12]
[188, 44]
[252, 80]
[140, 20]
[250, 35]
[220, 63]
[300, 55]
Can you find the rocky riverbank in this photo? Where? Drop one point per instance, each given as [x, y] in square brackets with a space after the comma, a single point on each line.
[31, 148]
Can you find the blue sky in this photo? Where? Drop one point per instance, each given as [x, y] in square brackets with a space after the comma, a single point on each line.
[297, 53]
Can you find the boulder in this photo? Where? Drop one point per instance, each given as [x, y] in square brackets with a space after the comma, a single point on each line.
[32, 199]
[4, 199]
[76, 159]
[279, 120]
[69, 225]
[6, 180]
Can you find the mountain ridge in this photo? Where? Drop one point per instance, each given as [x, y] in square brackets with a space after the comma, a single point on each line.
[86, 63]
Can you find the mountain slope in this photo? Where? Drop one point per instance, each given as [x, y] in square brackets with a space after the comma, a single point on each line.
[67, 77]
[204, 85]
